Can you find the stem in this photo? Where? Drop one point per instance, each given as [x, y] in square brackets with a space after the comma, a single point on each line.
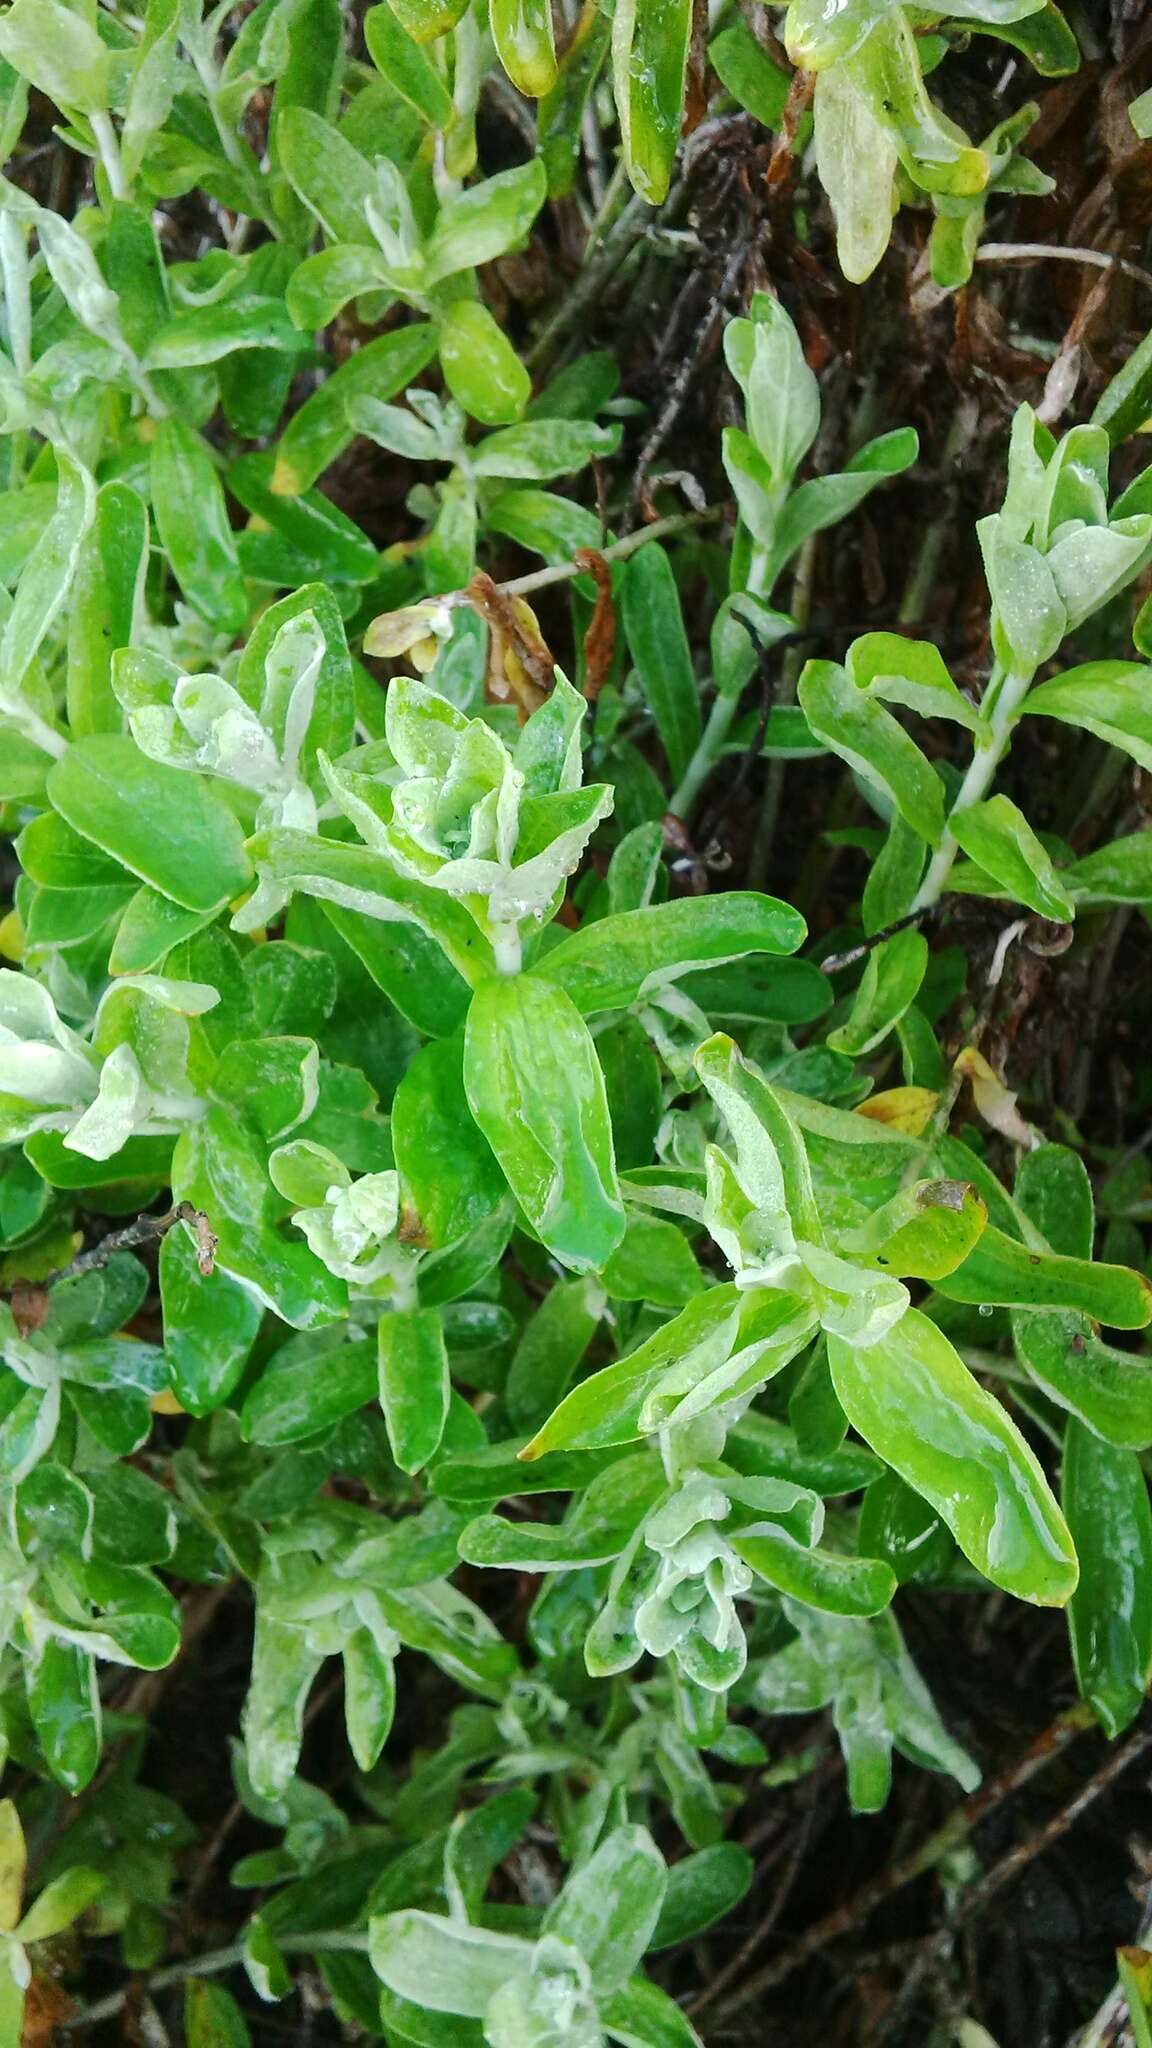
[1003, 698]
[705, 757]
[627, 229]
[211, 1965]
[36, 729]
[660, 529]
[209, 79]
[760, 858]
[506, 948]
[109, 149]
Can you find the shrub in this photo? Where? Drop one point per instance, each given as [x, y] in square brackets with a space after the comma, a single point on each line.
[405, 1181]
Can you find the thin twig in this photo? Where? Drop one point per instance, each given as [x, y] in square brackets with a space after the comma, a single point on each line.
[763, 1928]
[660, 529]
[144, 1230]
[835, 961]
[323, 1942]
[843, 1919]
[760, 858]
[1043, 252]
[973, 1902]
[686, 370]
[627, 229]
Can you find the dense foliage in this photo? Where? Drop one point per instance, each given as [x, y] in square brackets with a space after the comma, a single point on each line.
[560, 1290]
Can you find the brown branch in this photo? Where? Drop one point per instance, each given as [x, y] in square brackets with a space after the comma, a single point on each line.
[960, 1823]
[144, 1230]
[972, 1903]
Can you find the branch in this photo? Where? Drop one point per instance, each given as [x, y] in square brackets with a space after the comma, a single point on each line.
[971, 1903]
[836, 961]
[144, 1230]
[1055, 1738]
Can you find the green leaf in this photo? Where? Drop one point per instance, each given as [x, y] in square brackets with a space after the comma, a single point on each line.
[297, 1400]
[609, 1908]
[1107, 1389]
[910, 672]
[47, 576]
[536, 1090]
[606, 1409]
[201, 550]
[650, 41]
[212, 2018]
[659, 648]
[59, 51]
[320, 431]
[410, 968]
[60, 1680]
[169, 828]
[1118, 873]
[653, 1262]
[538, 449]
[1110, 699]
[445, 1965]
[550, 1349]
[890, 983]
[218, 1167]
[856, 157]
[1105, 1498]
[560, 114]
[369, 1695]
[747, 71]
[1000, 1270]
[640, 2015]
[1055, 1193]
[623, 959]
[478, 1843]
[1126, 401]
[923, 1233]
[874, 744]
[838, 1585]
[104, 613]
[702, 1888]
[824, 500]
[61, 1903]
[896, 1524]
[525, 45]
[362, 881]
[481, 368]
[320, 533]
[151, 925]
[781, 394]
[1029, 616]
[199, 335]
[447, 1171]
[210, 1326]
[331, 176]
[414, 1384]
[913, 1399]
[404, 64]
[481, 223]
[598, 1526]
[999, 838]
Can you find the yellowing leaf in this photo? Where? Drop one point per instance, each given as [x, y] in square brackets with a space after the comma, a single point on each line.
[907, 1110]
[13, 1862]
[994, 1102]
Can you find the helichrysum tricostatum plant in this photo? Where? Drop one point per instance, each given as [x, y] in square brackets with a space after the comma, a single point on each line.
[527, 1217]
